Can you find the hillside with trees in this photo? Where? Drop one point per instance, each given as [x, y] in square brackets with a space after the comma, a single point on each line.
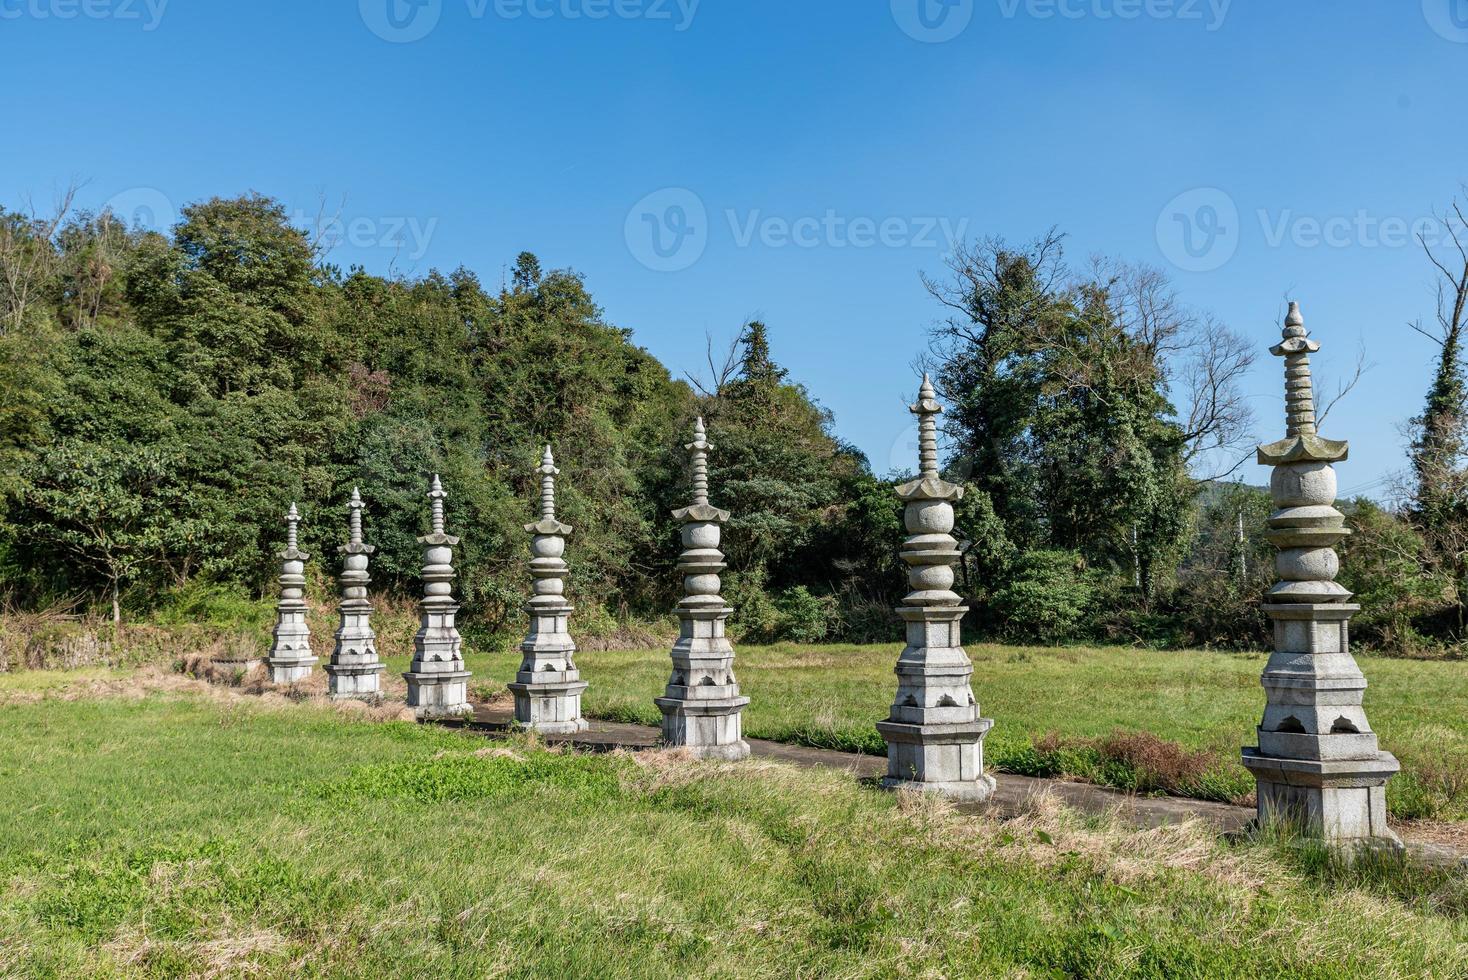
[164, 398]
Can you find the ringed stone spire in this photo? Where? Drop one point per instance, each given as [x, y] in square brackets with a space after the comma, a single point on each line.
[438, 682]
[935, 736]
[355, 670]
[702, 708]
[1318, 766]
[290, 657]
[548, 687]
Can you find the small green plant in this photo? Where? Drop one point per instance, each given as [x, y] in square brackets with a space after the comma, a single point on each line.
[1045, 597]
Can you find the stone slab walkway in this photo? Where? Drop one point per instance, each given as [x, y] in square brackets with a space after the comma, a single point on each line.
[1010, 796]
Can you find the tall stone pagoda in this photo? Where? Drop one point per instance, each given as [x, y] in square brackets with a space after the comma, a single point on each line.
[438, 683]
[1318, 766]
[355, 670]
[548, 687]
[702, 708]
[935, 737]
[290, 657]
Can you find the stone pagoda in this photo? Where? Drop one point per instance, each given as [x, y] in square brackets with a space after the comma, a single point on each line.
[438, 683]
[1318, 766]
[548, 687]
[354, 670]
[935, 737]
[702, 708]
[290, 657]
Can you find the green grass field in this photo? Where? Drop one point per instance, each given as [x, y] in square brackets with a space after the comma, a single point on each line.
[831, 696]
[162, 828]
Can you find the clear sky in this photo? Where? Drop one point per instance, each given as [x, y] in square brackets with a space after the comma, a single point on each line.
[705, 161]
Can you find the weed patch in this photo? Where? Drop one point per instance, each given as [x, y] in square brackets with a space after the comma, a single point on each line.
[1139, 762]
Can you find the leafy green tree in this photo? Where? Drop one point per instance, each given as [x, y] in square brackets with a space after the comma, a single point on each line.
[1440, 434]
[100, 507]
[1061, 414]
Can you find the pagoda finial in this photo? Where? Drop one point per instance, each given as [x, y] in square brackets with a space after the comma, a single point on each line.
[1296, 348]
[292, 519]
[700, 447]
[548, 473]
[927, 409]
[354, 516]
[437, 495]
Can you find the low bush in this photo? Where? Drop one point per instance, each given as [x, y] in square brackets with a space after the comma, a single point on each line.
[1045, 598]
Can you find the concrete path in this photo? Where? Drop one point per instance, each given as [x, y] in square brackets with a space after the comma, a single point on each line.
[1009, 797]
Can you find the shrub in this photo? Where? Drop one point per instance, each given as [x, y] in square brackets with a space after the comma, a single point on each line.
[1045, 597]
[756, 617]
[804, 617]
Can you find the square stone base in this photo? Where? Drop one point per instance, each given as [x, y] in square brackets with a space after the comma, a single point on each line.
[291, 671]
[551, 709]
[1340, 802]
[708, 729]
[440, 695]
[362, 681]
[944, 759]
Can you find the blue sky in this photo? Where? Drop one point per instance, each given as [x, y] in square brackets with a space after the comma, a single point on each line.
[802, 162]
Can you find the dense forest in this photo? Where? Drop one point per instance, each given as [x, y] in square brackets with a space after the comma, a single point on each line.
[164, 398]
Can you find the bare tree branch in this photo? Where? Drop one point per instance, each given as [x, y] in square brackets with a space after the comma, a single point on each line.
[1344, 388]
[720, 372]
[28, 255]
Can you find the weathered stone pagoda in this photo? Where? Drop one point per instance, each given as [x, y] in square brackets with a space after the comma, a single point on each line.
[438, 683]
[354, 670]
[702, 708]
[290, 657]
[935, 737]
[548, 687]
[1318, 766]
